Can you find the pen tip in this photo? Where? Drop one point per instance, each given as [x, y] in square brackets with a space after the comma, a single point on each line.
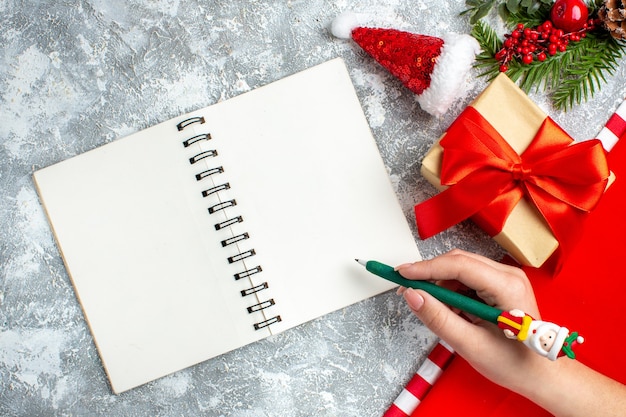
[362, 262]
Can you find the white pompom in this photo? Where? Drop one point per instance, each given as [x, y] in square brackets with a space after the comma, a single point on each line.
[343, 25]
[448, 79]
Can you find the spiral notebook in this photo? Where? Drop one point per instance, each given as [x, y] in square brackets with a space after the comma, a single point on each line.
[227, 225]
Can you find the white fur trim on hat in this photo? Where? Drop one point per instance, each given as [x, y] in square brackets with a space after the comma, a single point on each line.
[447, 81]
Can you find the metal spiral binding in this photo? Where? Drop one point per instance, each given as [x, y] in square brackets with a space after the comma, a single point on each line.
[248, 272]
[253, 290]
[189, 121]
[261, 306]
[209, 172]
[267, 322]
[222, 205]
[197, 138]
[241, 256]
[229, 222]
[215, 189]
[202, 155]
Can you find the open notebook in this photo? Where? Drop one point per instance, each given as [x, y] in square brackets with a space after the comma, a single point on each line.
[226, 225]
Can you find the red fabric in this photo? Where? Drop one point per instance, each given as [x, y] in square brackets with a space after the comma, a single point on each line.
[408, 56]
[487, 177]
[589, 289]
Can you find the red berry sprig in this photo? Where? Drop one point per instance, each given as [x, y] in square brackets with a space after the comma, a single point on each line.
[530, 44]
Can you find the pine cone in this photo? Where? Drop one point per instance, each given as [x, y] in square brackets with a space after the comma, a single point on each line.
[613, 15]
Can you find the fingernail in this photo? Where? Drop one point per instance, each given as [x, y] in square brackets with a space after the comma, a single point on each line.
[402, 266]
[413, 299]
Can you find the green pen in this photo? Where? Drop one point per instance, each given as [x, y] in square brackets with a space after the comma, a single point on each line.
[446, 296]
[545, 338]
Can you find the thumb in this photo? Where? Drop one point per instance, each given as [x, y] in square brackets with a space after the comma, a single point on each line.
[439, 318]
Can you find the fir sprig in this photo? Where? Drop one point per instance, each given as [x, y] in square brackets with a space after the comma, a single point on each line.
[585, 71]
[477, 9]
[571, 77]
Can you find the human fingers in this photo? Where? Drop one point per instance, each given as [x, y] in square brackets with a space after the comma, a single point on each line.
[464, 336]
[497, 284]
[456, 256]
[460, 252]
[480, 343]
[448, 283]
[484, 259]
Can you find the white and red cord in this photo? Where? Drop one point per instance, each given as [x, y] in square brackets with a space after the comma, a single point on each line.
[614, 128]
[426, 376]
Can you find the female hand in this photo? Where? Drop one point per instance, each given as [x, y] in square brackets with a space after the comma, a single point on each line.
[482, 344]
[564, 387]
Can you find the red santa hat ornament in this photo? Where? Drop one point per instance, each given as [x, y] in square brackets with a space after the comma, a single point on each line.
[433, 68]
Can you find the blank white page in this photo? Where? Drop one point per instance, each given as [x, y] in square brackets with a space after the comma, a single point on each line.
[147, 263]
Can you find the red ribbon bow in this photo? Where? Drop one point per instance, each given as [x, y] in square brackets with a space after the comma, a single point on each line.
[564, 180]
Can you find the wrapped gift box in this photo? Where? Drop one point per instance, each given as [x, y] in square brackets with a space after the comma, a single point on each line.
[567, 299]
[525, 235]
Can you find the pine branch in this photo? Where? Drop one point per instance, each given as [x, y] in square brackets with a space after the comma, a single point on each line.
[532, 14]
[598, 56]
[571, 77]
[477, 9]
[508, 10]
[490, 44]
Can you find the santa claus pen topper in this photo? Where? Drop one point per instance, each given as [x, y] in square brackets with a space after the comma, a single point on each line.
[545, 338]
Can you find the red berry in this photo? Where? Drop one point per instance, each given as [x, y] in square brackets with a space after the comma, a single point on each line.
[569, 15]
[527, 59]
[504, 68]
[541, 56]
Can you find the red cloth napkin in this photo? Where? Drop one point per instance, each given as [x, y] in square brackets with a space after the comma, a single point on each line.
[588, 296]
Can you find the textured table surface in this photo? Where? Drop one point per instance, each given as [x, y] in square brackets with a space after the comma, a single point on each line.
[76, 75]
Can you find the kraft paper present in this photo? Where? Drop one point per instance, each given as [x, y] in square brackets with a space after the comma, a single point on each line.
[526, 235]
[564, 301]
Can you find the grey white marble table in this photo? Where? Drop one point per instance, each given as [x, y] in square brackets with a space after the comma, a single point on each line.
[77, 74]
